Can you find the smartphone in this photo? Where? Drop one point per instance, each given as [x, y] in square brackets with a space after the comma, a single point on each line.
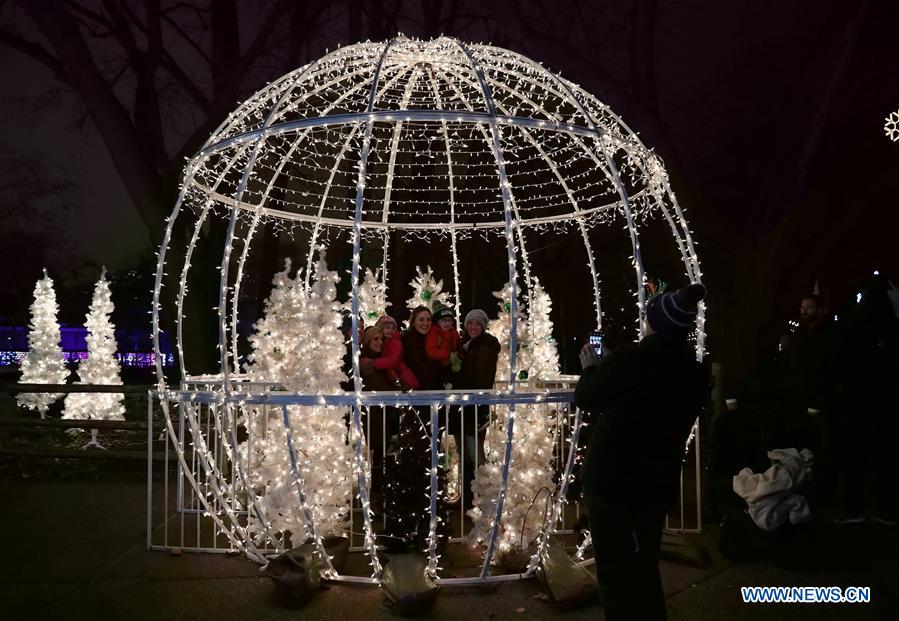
[596, 342]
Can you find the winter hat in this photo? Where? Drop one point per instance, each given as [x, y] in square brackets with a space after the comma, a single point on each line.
[385, 319]
[671, 314]
[477, 315]
[369, 334]
[443, 312]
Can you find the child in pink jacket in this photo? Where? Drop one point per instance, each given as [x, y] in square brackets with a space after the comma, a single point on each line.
[391, 359]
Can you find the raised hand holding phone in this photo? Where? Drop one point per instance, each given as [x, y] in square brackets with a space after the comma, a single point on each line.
[596, 342]
[592, 351]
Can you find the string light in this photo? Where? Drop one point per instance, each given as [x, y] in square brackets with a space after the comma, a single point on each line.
[431, 140]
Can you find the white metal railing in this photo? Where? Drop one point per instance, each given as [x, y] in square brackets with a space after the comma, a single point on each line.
[196, 499]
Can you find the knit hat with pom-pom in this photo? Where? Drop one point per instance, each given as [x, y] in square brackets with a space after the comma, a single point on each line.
[671, 314]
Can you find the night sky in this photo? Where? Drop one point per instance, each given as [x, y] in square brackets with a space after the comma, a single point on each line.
[768, 114]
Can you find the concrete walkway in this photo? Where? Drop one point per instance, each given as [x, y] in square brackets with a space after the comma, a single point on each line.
[76, 550]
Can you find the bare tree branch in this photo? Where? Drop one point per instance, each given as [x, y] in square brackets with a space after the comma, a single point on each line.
[186, 82]
[187, 38]
[35, 51]
[106, 111]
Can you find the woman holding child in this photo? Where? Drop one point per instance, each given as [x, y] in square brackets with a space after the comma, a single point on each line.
[414, 341]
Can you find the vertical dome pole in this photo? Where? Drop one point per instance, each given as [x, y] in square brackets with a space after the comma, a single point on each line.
[213, 472]
[583, 229]
[452, 202]
[321, 205]
[370, 544]
[185, 269]
[525, 261]
[697, 271]
[223, 336]
[391, 167]
[691, 258]
[601, 138]
[506, 190]
[580, 221]
[327, 193]
[241, 542]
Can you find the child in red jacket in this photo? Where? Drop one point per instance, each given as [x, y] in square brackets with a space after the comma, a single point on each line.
[391, 359]
[443, 339]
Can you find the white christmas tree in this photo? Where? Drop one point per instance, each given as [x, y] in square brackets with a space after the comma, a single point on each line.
[501, 328]
[530, 483]
[278, 332]
[44, 363]
[100, 367]
[544, 351]
[427, 291]
[372, 297]
[298, 343]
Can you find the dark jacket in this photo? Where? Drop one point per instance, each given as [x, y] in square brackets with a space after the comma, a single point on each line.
[872, 351]
[644, 400]
[427, 371]
[479, 356]
[374, 378]
[810, 365]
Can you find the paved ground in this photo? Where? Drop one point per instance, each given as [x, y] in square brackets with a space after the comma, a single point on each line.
[76, 550]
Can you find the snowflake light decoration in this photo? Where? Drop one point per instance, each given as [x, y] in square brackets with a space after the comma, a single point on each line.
[427, 291]
[891, 126]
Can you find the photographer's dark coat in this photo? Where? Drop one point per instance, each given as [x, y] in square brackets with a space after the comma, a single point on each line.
[643, 401]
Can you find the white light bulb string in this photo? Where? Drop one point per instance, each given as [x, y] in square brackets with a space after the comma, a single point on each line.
[301, 497]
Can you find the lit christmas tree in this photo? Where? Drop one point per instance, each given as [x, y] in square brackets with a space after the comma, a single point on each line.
[530, 483]
[427, 291]
[298, 343]
[544, 351]
[44, 363]
[278, 332]
[372, 296]
[407, 491]
[501, 328]
[100, 367]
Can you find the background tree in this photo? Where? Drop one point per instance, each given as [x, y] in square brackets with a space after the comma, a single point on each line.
[769, 130]
[36, 209]
[101, 365]
[372, 295]
[44, 363]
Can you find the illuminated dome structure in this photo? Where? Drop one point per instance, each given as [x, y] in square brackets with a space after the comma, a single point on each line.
[436, 140]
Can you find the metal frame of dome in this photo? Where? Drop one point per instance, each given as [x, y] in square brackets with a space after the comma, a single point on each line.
[317, 98]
